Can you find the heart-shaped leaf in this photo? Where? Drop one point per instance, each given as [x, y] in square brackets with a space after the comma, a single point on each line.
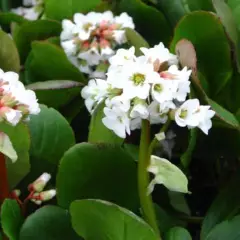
[100, 172]
[109, 220]
[178, 233]
[56, 93]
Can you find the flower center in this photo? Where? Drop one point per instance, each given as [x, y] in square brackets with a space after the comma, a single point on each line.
[87, 26]
[183, 113]
[158, 88]
[138, 79]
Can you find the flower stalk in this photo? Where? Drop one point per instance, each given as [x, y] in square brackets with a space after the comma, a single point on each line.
[4, 188]
[143, 178]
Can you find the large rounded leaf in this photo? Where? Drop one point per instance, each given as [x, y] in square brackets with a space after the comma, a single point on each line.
[19, 136]
[48, 223]
[61, 9]
[48, 61]
[211, 44]
[178, 233]
[34, 30]
[56, 93]
[149, 22]
[100, 220]
[51, 135]
[100, 172]
[9, 58]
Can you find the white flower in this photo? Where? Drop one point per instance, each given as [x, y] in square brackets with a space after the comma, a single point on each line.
[138, 77]
[187, 114]
[84, 67]
[205, 115]
[160, 54]
[94, 92]
[92, 56]
[70, 47]
[117, 120]
[119, 36]
[106, 52]
[69, 30]
[135, 123]
[98, 74]
[106, 17]
[28, 13]
[125, 21]
[119, 102]
[139, 109]
[159, 112]
[123, 57]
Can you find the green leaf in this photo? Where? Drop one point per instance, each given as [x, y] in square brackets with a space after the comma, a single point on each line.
[9, 58]
[132, 150]
[100, 172]
[19, 136]
[56, 93]
[174, 10]
[6, 147]
[187, 56]
[187, 155]
[109, 220]
[228, 229]
[211, 44]
[98, 133]
[195, 5]
[61, 9]
[144, 17]
[34, 30]
[11, 218]
[136, 40]
[225, 206]
[227, 19]
[178, 233]
[235, 7]
[48, 223]
[9, 17]
[48, 61]
[51, 135]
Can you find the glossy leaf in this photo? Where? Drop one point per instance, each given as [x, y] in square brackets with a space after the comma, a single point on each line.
[224, 206]
[55, 93]
[228, 229]
[48, 61]
[178, 233]
[11, 218]
[195, 5]
[144, 16]
[48, 223]
[51, 135]
[109, 220]
[98, 133]
[34, 30]
[62, 9]
[100, 172]
[9, 17]
[19, 136]
[187, 56]
[212, 48]
[136, 40]
[9, 58]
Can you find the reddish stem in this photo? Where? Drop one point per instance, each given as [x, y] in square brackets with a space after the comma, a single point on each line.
[4, 188]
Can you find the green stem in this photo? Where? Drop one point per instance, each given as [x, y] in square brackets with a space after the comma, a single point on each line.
[155, 140]
[143, 178]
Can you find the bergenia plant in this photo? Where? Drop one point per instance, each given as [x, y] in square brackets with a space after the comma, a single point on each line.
[119, 120]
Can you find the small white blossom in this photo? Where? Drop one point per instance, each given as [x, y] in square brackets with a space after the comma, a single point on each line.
[92, 56]
[125, 21]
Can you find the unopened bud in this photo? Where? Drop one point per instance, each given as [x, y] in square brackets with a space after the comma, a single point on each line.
[47, 195]
[38, 202]
[16, 193]
[39, 184]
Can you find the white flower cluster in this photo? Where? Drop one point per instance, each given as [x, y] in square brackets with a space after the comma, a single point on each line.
[147, 87]
[31, 9]
[16, 103]
[91, 39]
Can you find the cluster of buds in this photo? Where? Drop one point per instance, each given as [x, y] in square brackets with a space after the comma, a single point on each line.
[37, 195]
[148, 87]
[16, 103]
[91, 39]
[31, 9]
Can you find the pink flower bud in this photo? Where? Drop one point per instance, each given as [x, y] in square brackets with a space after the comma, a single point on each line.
[47, 195]
[39, 184]
[16, 193]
